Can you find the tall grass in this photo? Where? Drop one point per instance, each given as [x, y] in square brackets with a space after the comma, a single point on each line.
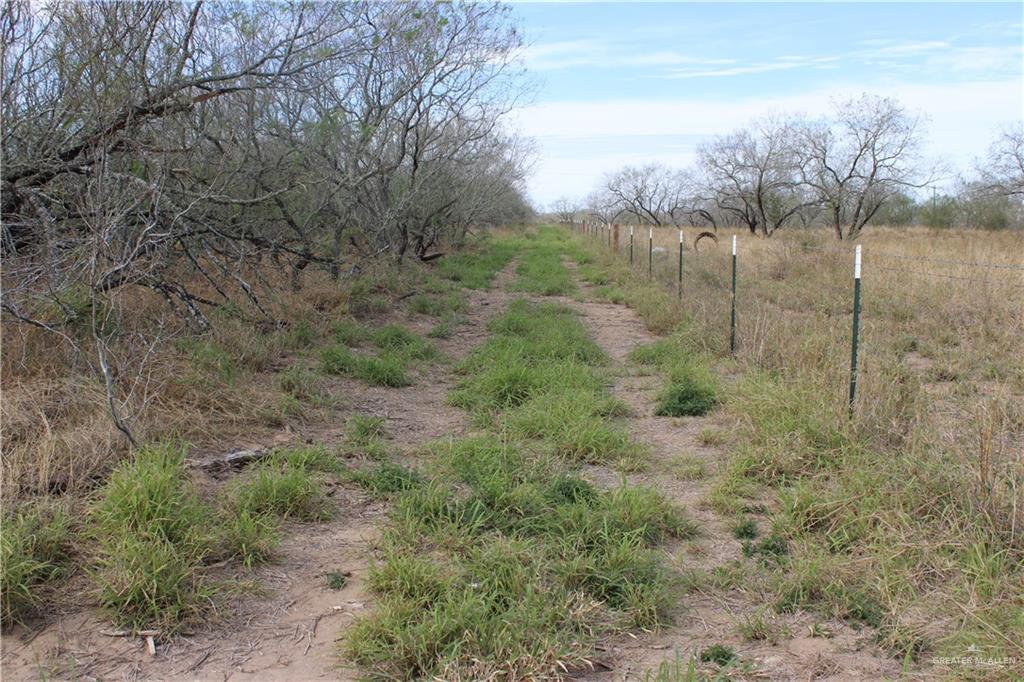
[34, 549]
[502, 562]
[153, 534]
[505, 564]
[907, 517]
[543, 373]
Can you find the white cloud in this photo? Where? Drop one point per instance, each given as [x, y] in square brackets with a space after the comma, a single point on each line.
[572, 136]
[567, 54]
[782, 64]
[909, 48]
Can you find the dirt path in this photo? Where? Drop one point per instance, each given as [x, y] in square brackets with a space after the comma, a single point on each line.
[283, 622]
[286, 625]
[708, 615]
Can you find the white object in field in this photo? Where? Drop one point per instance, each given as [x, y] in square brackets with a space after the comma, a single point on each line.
[680, 236]
[734, 245]
[650, 233]
[658, 250]
[630, 230]
[856, 262]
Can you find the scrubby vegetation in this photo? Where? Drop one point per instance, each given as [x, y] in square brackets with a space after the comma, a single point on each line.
[503, 561]
[399, 349]
[906, 517]
[540, 376]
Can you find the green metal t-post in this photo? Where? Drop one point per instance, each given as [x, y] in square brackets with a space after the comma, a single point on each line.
[856, 328]
[650, 252]
[732, 321]
[680, 265]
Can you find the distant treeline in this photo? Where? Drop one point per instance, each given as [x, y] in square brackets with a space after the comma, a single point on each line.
[859, 166]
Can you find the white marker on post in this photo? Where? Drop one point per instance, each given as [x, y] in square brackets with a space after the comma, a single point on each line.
[734, 245]
[856, 262]
[630, 230]
[680, 236]
[650, 233]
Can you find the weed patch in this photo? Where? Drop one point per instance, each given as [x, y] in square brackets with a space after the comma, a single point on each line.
[33, 552]
[689, 391]
[475, 269]
[399, 348]
[503, 563]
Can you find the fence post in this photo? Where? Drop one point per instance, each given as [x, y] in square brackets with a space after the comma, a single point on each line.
[732, 319]
[856, 328]
[615, 239]
[650, 253]
[680, 265]
[631, 246]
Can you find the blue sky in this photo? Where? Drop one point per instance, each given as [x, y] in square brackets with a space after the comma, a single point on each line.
[628, 83]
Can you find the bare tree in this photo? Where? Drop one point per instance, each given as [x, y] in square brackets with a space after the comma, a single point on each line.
[565, 210]
[176, 147]
[643, 192]
[754, 175]
[603, 206]
[1002, 171]
[854, 163]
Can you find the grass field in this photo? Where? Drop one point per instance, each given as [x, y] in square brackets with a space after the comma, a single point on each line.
[504, 550]
[908, 517]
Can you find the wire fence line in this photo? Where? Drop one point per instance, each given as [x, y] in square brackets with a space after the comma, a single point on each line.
[719, 278]
[807, 246]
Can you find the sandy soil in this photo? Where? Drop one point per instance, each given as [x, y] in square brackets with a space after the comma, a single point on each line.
[287, 625]
[712, 617]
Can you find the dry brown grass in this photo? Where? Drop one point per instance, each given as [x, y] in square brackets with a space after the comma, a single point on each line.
[202, 389]
[912, 512]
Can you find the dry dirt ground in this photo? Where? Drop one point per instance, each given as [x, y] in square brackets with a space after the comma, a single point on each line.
[284, 622]
[712, 617]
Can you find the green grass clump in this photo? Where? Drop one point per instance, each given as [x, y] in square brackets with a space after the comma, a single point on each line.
[280, 488]
[336, 580]
[153, 535]
[33, 552]
[403, 342]
[475, 269]
[388, 478]
[364, 428]
[306, 457]
[540, 269]
[399, 348]
[745, 529]
[249, 537]
[445, 305]
[576, 421]
[527, 547]
[338, 359]
[535, 348]
[718, 653]
[387, 369]
[542, 272]
[349, 333]
[445, 328]
[690, 390]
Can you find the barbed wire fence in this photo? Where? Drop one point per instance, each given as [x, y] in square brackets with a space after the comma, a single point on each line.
[691, 262]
